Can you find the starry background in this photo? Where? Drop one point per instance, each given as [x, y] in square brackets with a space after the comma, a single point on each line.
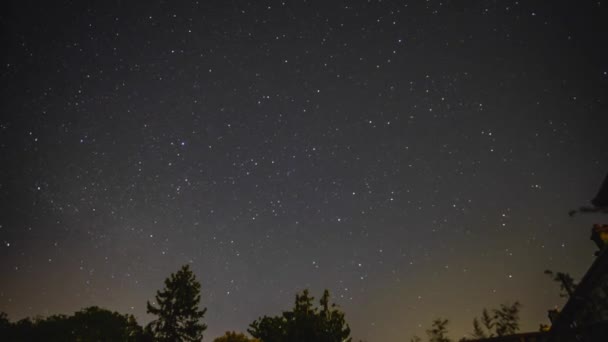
[418, 159]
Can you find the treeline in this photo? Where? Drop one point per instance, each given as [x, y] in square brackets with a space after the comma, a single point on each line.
[179, 318]
[89, 324]
[499, 322]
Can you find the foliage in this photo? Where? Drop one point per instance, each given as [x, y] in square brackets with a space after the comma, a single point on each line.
[487, 321]
[89, 324]
[503, 321]
[483, 327]
[507, 319]
[438, 331]
[95, 324]
[178, 309]
[565, 280]
[478, 330]
[5, 324]
[235, 337]
[304, 323]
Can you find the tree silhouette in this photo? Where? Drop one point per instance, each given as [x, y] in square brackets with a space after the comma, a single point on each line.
[439, 331]
[96, 324]
[487, 321]
[503, 321]
[178, 309]
[5, 324]
[478, 330]
[304, 323]
[89, 324]
[507, 319]
[235, 337]
[565, 281]
[484, 328]
[23, 330]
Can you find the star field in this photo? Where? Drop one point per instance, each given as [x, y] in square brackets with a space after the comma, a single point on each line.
[418, 159]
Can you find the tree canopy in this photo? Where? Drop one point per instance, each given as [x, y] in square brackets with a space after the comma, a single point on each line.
[438, 331]
[304, 323]
[89, 324]
[503, 321]
[565, 281]
[179, 316]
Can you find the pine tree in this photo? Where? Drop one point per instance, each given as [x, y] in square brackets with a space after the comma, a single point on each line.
[178, 309]
[333, 321]
[439, 331]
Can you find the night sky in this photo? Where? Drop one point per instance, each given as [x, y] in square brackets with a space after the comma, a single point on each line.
[418, 159]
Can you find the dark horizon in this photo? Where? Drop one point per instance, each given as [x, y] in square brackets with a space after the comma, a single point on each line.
[419, 160]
